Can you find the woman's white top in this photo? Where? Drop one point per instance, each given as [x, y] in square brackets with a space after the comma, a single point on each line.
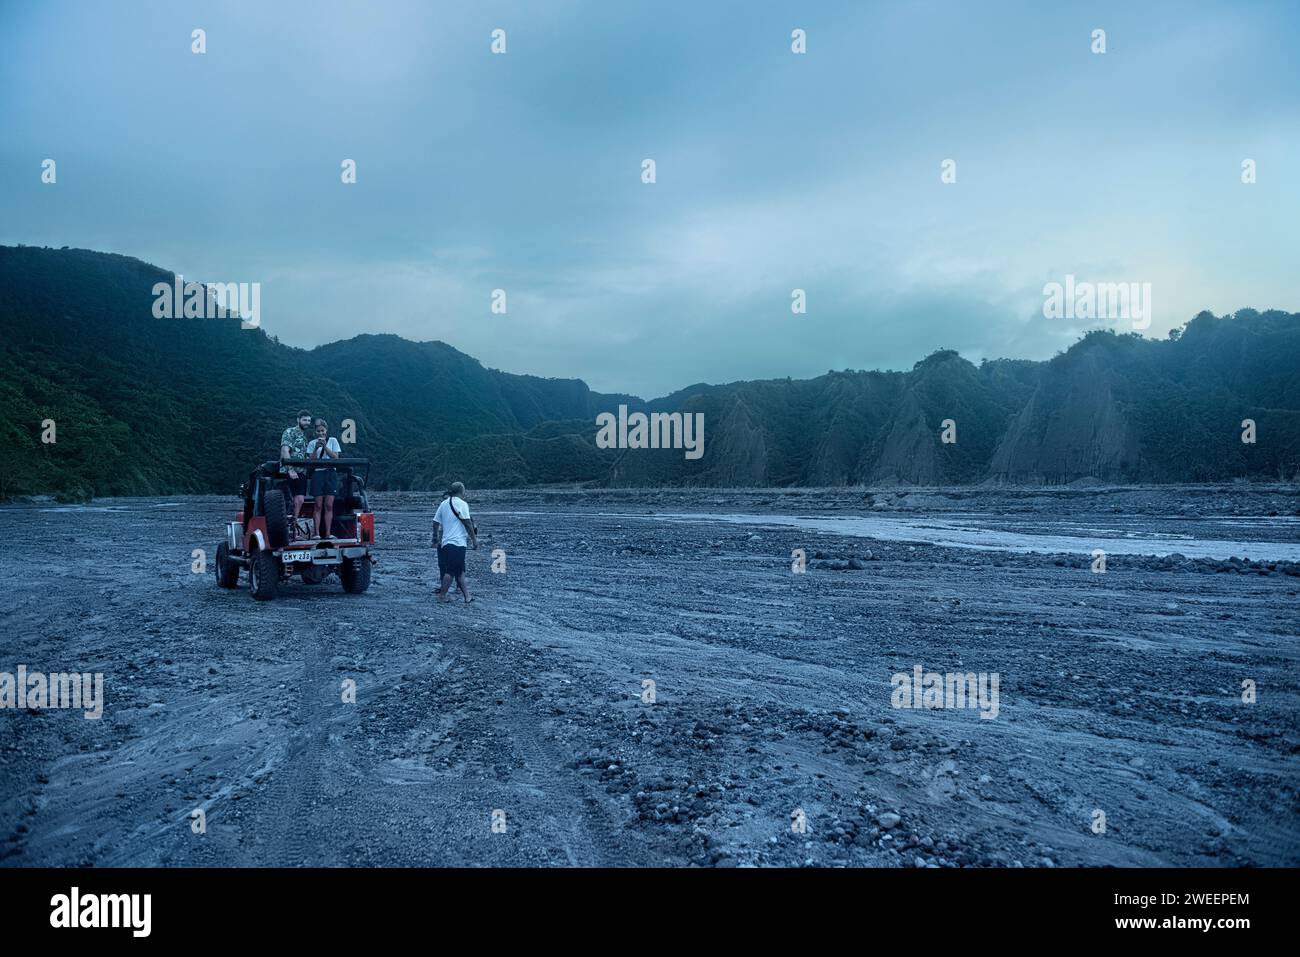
[331, 443]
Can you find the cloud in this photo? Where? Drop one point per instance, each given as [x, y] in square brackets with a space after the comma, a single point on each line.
[776, 172]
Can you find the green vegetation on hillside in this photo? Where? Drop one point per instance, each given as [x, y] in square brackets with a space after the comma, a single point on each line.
[146, 406]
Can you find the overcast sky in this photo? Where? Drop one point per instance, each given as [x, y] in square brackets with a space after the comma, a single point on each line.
[775, 171]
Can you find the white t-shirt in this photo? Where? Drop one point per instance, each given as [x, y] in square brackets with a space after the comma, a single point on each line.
[452, 515]
[331, 443]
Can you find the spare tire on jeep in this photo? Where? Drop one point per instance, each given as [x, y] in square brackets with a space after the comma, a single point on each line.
[277, 520]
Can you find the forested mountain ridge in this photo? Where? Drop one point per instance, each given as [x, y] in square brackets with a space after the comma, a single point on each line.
[160, 406]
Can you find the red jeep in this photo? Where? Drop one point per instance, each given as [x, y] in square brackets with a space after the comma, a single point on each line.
[263, 540]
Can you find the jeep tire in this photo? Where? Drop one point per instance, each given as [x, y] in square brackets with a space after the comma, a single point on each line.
[227, 572]
[263, 575]
[277, 519]
[355, 574]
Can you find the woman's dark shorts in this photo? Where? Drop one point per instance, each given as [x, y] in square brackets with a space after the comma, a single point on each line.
[451, 560]
[324, 482]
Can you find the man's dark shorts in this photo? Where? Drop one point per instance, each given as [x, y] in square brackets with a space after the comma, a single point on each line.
[451, 560]
[296, 486]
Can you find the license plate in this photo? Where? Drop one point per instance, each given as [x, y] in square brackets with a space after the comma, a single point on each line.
[303, 556]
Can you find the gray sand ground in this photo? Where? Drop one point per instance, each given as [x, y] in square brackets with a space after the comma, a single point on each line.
[1119, 692]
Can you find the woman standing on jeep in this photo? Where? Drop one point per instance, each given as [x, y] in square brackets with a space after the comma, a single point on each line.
[324, 482]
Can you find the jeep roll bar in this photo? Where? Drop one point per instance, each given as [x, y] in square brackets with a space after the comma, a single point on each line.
[277, 467]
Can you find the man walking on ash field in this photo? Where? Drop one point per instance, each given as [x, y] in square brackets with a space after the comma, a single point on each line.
[453, 530]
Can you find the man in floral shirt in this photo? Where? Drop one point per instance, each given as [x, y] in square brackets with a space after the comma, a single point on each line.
[293, 445]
